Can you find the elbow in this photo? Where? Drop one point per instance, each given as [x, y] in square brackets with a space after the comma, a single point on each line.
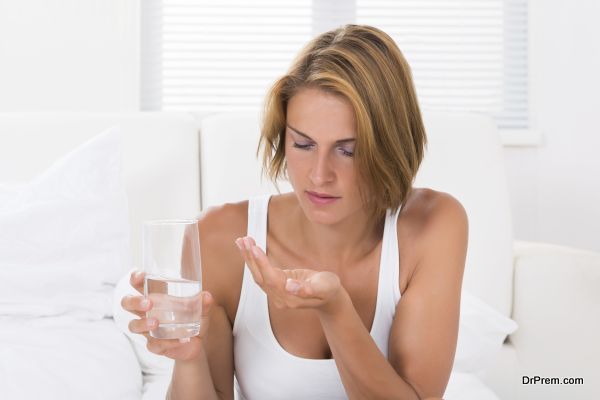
[398, 390]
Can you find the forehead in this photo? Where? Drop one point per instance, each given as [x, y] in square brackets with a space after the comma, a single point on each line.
[321, 115]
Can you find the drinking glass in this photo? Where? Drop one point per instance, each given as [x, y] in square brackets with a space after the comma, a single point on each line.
[173, 279]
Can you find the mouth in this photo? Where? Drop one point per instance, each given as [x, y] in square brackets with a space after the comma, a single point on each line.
[321, 198]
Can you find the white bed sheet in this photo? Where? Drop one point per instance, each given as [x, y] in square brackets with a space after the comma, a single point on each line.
[63, 358]
[467, 386]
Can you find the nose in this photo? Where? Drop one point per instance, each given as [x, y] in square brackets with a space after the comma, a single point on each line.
[321, 172]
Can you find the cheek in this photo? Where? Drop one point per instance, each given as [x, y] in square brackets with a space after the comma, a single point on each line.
[294, 164]
[351, 182]
[347, 171]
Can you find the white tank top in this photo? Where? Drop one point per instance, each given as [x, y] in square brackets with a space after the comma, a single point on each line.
[263, 369]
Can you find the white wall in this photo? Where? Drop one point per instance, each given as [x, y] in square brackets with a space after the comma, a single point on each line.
[555, 188]
[68, 55]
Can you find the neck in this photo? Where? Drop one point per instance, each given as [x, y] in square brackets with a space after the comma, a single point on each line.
[345, 243]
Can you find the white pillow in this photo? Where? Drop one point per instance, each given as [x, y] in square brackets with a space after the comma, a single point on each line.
[481, 333]
[157, 369]
[64, 236]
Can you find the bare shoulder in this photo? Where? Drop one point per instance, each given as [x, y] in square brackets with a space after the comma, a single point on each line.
[427, 211]
[429, 221]
[222, 265]
[222, 221]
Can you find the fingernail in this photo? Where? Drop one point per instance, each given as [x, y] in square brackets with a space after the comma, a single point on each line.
[256, 252]
[292, 286]
[184, 340]
[238, 242]
[138, 275]
[247, 243]
[150, 323]
[144, 303]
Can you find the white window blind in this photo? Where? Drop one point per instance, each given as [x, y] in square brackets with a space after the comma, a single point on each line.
[464, 55]
[224, 55]
[210, 56]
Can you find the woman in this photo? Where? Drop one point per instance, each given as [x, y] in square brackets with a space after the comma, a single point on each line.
[348, 287]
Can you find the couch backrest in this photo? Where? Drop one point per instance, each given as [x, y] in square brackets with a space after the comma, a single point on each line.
[230, 170]
[160, 157]
[464, 158]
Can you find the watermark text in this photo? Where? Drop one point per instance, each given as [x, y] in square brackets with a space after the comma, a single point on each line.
[539, 380]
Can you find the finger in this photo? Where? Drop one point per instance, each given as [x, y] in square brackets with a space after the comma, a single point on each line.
[163, 346]
[142, 325]
[296, 274]
[249, 243]
[293, 286]
[136, 280]
[137, 305]
[307, 291]
[207, 303]
[300, 288]
[241, 244]
[160, 346]
[163, 301]
[323, 284]
[244, 244]
[274, 277]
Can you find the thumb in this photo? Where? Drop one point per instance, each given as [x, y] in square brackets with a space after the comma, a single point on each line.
[323, 284]
[207, 305]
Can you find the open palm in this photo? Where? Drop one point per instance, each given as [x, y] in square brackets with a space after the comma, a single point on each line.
[293, 288]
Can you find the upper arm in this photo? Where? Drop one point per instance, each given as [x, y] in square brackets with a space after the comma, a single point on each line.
[222, 269]
[425, 330]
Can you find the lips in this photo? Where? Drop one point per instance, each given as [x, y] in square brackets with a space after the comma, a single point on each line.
[321, 198]
[322, 195]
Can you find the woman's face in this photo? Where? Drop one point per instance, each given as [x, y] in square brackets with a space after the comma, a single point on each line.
[319, 149]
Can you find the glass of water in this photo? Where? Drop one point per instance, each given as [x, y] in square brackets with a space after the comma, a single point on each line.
[173, 280]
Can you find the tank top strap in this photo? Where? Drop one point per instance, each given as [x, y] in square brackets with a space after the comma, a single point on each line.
[257, 228]
[257, 219]
[389, 273]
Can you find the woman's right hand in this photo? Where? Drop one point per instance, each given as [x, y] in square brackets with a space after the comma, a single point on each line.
[177, 349]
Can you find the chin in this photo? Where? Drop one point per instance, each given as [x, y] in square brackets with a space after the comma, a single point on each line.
[321, 215]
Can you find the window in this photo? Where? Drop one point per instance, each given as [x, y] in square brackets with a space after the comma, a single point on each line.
[208, 56]
[216, 56]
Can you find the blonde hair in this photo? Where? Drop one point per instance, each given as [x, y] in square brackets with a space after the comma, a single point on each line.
[362, 64]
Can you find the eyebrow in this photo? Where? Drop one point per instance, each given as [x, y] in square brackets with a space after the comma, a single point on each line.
[309, 138]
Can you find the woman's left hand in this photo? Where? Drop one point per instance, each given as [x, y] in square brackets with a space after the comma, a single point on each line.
[293, 288]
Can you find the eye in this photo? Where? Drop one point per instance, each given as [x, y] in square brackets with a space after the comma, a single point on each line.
[346, 153]
[302, 146]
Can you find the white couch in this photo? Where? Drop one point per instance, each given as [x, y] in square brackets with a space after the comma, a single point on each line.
[548, 290]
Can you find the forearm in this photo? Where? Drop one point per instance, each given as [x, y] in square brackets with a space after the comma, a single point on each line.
[192, 380]
[364, 370]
